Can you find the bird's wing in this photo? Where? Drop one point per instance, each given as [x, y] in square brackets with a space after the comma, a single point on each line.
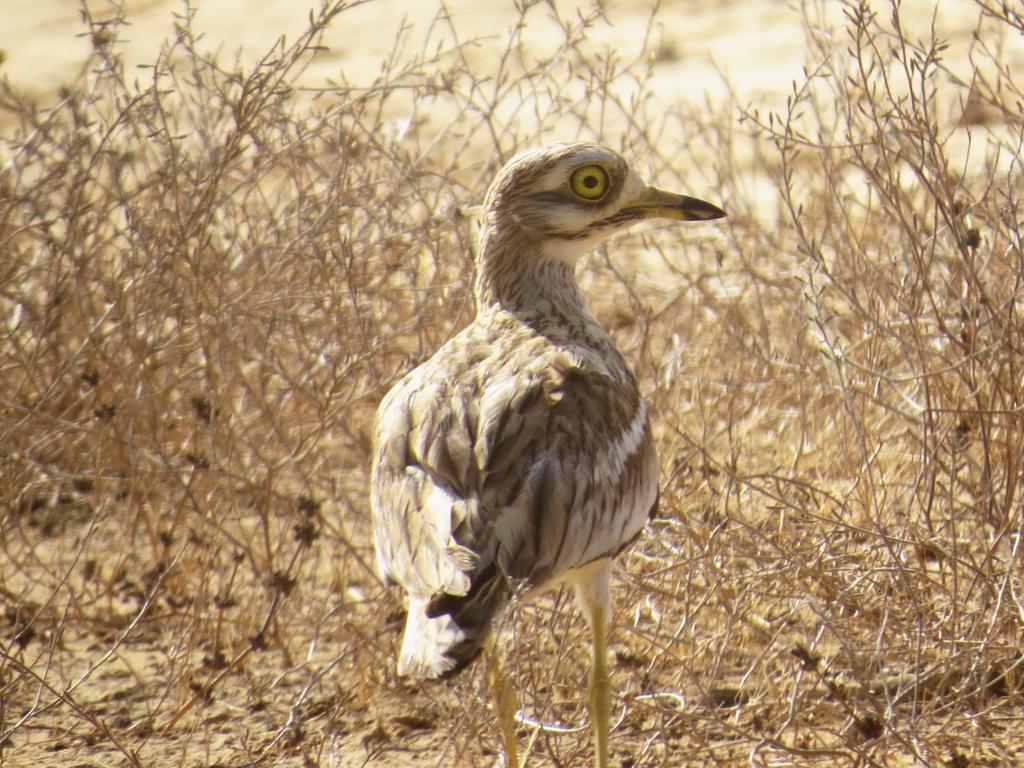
[419, 489]
[536, 472]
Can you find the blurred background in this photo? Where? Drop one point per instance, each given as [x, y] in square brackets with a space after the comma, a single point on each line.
[227, 229]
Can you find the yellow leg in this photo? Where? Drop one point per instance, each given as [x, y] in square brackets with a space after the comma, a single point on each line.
[600, 690]
[505, 702]
[592, 593]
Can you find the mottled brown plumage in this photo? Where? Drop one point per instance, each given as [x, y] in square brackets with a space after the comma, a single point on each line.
[521, 452]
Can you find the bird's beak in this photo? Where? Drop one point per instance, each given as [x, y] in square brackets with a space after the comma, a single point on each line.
[656, 203]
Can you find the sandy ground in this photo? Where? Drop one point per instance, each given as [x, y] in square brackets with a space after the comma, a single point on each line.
[750, 51]
[757, 44]
[45, 47]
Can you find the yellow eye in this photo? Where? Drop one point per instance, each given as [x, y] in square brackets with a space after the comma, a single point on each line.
[589, 182]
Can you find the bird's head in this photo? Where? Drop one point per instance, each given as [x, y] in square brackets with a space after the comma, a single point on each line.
[566, 199]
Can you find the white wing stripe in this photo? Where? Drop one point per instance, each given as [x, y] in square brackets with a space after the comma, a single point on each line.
[609, 463]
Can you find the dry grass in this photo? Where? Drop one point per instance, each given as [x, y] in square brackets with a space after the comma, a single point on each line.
[210, 278]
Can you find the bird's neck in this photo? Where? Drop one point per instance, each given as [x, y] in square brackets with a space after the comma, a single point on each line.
[517, 280]
[514, 274]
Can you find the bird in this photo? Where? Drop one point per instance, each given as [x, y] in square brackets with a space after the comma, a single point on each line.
[519, 456]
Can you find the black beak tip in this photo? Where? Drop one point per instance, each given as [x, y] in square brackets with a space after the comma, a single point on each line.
[700, 210]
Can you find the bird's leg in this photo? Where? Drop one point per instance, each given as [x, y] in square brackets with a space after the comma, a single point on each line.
[600, 690]
[505, 700]
[593, 596]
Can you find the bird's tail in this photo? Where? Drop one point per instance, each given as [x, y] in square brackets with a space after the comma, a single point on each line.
[444, 634]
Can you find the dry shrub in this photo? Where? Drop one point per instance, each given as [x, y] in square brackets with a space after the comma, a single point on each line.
[210, 278]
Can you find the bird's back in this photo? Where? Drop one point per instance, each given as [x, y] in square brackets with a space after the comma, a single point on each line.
[516, 454]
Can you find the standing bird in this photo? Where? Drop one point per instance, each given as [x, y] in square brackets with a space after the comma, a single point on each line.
[520, 453]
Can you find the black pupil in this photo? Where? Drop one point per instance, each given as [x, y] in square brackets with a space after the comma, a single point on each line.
[590, 182]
